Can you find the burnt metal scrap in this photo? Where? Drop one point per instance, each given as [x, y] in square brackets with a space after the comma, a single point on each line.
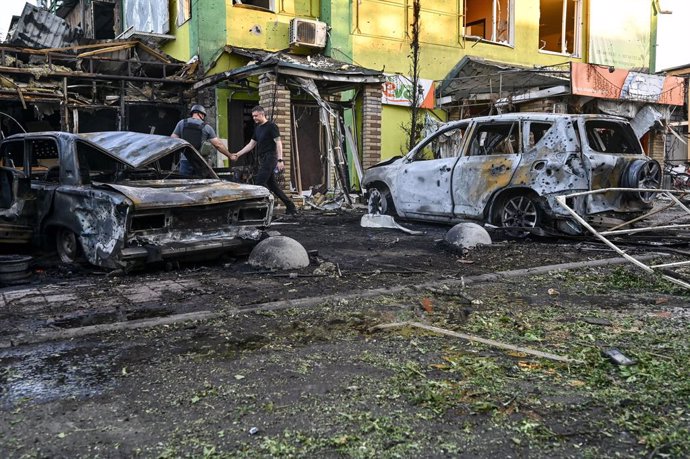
[118, 199]
[508, 170]
[660, 221]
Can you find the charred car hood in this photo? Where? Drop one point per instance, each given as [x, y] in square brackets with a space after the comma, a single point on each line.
[153, 194]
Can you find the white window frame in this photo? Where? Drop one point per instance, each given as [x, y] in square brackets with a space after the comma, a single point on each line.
[494, 24]
[577, 23]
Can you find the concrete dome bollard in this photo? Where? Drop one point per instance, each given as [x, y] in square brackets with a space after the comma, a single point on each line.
[467, 235]
[279, 252]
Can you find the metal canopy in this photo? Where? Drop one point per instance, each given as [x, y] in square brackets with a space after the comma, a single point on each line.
[476, 78]
[316, 67]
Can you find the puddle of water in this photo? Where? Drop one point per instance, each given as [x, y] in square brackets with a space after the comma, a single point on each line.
[54, 371]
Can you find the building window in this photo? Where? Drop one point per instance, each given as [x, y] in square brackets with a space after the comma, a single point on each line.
[184, 11]
[489, 20]
[559, 26]
[269, 5]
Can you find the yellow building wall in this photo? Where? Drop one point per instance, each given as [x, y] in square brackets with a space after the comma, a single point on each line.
[179, 48]
[251, 28]
[380, 40]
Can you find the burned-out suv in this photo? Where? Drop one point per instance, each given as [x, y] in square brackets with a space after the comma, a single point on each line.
[118, 198]
[507, 170]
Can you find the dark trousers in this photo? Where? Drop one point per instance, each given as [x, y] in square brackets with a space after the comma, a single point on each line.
[265, 177]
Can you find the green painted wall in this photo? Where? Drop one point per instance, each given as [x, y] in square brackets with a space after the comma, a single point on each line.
[208, 31]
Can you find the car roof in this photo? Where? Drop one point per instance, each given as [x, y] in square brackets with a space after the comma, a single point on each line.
[133, 148]
[536, 116]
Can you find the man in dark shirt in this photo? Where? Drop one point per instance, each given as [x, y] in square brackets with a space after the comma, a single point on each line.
[269, 149]
[196, 131]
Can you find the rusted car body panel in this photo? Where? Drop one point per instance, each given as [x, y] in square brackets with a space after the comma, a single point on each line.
[121, 196]
[538, 156]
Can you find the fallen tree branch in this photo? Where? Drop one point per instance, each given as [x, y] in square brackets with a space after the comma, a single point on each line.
[477, 339]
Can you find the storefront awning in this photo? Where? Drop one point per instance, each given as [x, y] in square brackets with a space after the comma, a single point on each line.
[315, 67]
[480, 79]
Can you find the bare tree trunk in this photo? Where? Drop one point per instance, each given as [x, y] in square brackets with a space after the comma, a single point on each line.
[414, 71]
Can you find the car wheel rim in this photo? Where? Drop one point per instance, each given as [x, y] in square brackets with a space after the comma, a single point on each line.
[67, 246]
[376, 203]
[650, 177]
[519, 212]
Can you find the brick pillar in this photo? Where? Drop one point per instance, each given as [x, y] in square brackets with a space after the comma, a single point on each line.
[371, 125]
[275, 99]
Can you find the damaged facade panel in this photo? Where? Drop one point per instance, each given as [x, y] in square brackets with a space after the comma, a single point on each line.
[118, 199]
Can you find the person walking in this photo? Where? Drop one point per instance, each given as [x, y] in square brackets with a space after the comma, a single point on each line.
[269, 149]
[196, 131]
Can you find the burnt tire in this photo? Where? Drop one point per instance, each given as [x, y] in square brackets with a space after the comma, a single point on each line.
[380, 201]
[642, 174]
[518, 214]
[67, 245]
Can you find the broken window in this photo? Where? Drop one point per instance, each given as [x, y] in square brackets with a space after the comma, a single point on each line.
[103, 20]
[611, 137]
[537, 131]
[559, 26]
[12, 154]
[444, 144]
[94, 165]
[496, 139]
[45, 162]
[184, 11]
[262, 4]
[489, 20]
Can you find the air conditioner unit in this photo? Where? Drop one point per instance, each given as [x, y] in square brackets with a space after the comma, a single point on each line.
[307, 32]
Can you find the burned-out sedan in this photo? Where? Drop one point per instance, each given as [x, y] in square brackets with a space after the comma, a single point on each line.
[117, 199]
[507, 170]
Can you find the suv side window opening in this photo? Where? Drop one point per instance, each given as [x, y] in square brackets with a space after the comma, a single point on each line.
[444, 144]
[611, 137]
[536, 132]
[496, 139]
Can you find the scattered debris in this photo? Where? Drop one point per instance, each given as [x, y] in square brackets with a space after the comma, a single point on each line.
[617, 357]
[384, 221]
[675, 226]
[477, 339]
[597, 321]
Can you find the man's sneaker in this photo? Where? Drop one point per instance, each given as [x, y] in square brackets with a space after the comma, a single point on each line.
[291, 210]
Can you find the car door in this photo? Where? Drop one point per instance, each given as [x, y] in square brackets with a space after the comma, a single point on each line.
[423, 182]
[491, 155]
[17, 220]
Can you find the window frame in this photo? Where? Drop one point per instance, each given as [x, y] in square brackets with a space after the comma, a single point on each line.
[577, 30]
[492, 24]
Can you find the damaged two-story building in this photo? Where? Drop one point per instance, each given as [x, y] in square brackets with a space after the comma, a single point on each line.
[75, 76]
